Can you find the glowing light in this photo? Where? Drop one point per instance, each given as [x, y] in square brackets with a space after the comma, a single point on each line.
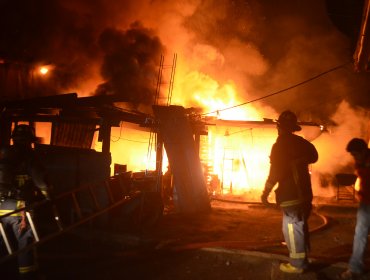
[43, 70]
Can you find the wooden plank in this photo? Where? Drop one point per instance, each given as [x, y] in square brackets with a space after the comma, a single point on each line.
[189, 181]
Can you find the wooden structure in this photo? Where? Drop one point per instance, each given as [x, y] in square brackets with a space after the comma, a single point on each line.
[69, 157]
[74, 121]
[97, 112]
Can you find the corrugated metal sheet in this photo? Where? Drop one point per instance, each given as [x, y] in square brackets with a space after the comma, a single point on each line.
[71, 134]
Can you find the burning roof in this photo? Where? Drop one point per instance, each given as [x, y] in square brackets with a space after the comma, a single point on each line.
[229, 52]
[251, 47]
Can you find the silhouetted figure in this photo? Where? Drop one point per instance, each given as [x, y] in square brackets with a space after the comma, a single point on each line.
[361, 154]
[289, 160]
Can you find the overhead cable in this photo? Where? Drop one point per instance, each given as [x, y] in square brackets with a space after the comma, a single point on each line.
[281, 91]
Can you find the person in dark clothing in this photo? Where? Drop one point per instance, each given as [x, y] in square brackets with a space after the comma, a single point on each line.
[361, 153]
[289, 161]
[22, 182]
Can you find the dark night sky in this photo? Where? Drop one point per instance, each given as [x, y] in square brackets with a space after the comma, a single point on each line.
[113, 47]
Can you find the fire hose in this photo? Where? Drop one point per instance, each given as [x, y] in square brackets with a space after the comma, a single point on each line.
[244, 244]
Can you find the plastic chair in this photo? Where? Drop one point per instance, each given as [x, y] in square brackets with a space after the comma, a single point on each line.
[345, 186]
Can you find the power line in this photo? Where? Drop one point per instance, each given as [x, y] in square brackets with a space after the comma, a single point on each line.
[283, 90]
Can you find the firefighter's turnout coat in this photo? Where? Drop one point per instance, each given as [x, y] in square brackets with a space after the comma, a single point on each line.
[22, 181]
[290, 158]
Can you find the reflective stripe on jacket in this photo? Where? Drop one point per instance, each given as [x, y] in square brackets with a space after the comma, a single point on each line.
[11, 205]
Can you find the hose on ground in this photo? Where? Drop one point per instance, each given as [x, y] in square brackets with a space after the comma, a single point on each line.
[243, 244]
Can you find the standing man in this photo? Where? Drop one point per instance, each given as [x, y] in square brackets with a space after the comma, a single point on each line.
[289, 160]
[21, 183]
[361, 154]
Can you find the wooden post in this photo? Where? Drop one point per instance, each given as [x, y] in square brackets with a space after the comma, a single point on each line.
[5, 131]
[104, 137]
[197, 142]
[159, 161]
[189, 181]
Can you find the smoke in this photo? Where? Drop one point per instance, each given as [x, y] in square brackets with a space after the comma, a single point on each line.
[238, 50]
[258, 46]
[266, 46]
[349, 122]
[130, 64]
[46, 32]
[352, 122]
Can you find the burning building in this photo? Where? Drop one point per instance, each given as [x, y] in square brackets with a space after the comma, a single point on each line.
[204, 79]
[237, 154]
[264, 56]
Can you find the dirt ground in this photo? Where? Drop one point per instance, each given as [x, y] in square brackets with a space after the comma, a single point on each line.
[235, 240]
[257, 228]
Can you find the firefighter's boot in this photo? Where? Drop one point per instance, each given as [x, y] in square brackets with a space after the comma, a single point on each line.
[288, 268]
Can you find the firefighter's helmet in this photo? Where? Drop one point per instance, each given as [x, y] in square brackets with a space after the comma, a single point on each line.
[288, 121]
[24, 133]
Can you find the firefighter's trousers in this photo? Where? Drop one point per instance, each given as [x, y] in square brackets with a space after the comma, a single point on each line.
[296, 233]
[18, 240]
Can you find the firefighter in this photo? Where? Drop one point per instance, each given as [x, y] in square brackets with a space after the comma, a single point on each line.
[289, 160]
[22, 182]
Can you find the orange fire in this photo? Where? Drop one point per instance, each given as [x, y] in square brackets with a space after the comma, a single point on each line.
[235, 158]
[238, 157]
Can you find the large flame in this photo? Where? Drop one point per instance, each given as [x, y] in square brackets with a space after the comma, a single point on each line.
[238, 157]
[235, 158]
